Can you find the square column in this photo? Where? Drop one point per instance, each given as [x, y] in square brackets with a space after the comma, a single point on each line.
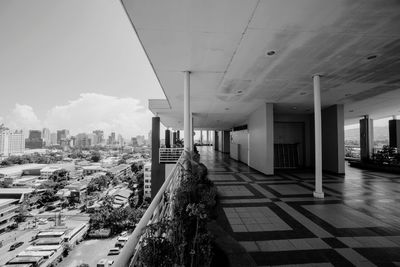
[157, 169]
[394, 134]
[366, 138]
[216, 141]
[167, 138]
[333, 139]
[174, 138]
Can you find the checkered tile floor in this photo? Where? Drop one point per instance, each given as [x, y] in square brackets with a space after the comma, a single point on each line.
[276, 219]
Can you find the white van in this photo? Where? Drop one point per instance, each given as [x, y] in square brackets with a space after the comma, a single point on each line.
[102, 263]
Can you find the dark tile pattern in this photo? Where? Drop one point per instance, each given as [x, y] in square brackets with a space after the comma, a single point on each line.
[277, 220]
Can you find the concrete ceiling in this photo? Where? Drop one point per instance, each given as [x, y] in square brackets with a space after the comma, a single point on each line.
[355, 44]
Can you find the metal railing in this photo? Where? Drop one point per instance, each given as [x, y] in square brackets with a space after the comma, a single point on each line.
[160, 208]
[170, 155]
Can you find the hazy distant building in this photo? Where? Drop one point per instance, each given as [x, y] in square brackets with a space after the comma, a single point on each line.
[140, 140]
[134, 141]
[53, 139]
[111, 139]
[34, 140]
[149, 138]
[11, 142]
[82, 140]
[94, 140]
[121, 140]
[46, 136]
[62, 135]
[100, 136]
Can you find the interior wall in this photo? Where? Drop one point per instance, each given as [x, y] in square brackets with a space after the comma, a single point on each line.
[239, 146]
[261, 130]
[291, 133]
[308, 139]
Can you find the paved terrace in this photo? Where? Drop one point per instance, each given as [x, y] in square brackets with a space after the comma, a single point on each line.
[276, 219]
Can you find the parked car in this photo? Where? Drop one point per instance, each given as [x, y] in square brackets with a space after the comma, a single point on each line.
[16, 245]
[124, 233]
[114, 251]
[110, 262]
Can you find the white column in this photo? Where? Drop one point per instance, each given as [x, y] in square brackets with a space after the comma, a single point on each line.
[208, 137]
[201, 137]
[318, 193]
[187, 127]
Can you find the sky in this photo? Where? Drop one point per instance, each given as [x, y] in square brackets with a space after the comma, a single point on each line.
[73, 64]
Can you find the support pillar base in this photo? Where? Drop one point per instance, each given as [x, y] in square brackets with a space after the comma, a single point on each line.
[318, 194]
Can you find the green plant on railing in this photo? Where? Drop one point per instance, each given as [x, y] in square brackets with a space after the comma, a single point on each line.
[386, 156]
[186, 231]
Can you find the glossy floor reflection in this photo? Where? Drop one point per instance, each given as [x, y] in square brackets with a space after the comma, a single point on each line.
[276, 219]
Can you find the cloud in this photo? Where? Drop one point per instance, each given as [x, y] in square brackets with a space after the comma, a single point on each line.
[22, 117]
[96, 111]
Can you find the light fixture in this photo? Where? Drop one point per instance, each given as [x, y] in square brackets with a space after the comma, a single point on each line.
[271, 53]
[226, 108]
[309, 109]
[348, 94]
[240, 91]
[303, 93]
[351, 110]
[294, 108]
[371, 57]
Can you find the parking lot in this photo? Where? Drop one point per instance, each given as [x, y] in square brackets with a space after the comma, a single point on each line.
[89, 252]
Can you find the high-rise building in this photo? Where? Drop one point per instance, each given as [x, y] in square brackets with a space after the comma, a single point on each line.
[140, 140]
[53, 139]
[34, 140]
[93, 139]
[100, 136]
[46, 136]
[149, 138]
[11, 142]
[82, 140]
[134, 141]
[120, 140]
[111, 139]
[62, 135]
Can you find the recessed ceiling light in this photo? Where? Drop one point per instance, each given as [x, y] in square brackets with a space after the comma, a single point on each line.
[351, 110]
[294, 108]
[348, 94]
[371, 57]
[226, 108]
[303, 93]
[240, 91]
[271, 53]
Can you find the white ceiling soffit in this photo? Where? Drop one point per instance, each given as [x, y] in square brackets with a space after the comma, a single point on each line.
[355, 44]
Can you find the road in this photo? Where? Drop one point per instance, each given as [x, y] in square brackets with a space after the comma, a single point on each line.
[90, 252]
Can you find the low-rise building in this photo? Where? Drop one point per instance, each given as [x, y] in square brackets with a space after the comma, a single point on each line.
[147, 179]
[8, 211]
[120, 171]
[88, 170]
[48, 171]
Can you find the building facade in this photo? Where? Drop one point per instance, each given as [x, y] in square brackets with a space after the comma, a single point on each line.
[11, 142]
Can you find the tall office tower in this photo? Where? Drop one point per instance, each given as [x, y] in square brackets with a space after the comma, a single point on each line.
[134, 141]
[120, 140]
[100, 136]
[82, 141]
[34, 140]
[140, 140]
[53, 139]
[111, 139]
[94, 139]
[149, 138]
[46, 136]
[11, 142]
[62, 135]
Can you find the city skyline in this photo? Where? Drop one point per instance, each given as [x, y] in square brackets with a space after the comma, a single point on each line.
[87, 73]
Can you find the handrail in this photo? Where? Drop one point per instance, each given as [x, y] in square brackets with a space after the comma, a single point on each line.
[170, 155]
[129, 253]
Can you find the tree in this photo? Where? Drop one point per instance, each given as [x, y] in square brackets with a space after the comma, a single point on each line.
[95, 157]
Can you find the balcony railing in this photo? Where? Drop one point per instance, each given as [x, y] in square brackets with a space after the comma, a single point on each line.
[170, 155]
[160, 208]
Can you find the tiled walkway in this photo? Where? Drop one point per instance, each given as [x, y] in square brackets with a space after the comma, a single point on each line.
[276, 219]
